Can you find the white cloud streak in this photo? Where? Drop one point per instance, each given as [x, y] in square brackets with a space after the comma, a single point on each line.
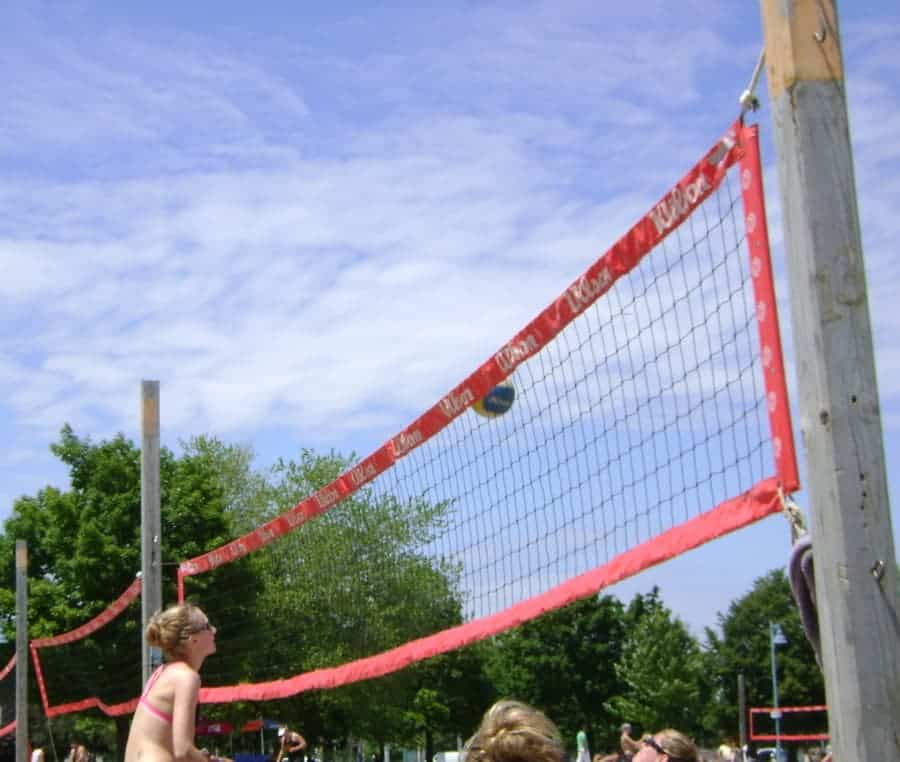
[325, 229]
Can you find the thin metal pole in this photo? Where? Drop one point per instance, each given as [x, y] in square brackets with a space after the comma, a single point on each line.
[151, 557]
[776, 712]
[21, 651]
[742, 712]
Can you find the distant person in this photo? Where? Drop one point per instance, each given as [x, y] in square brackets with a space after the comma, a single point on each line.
[37, 754]
[77, 752]
[674, 746]
[162, 728]
[511, 731]
[727, 752]
[581, 743]
[293, 746]
[628, 747]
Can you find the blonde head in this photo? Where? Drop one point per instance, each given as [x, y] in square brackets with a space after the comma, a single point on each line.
[169, 630]
[515, 732]
[678, 746]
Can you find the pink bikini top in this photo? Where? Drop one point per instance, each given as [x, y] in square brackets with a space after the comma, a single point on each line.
[143, 699]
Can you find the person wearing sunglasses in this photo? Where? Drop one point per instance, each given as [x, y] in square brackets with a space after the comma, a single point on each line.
[668, 744]
[162, 728]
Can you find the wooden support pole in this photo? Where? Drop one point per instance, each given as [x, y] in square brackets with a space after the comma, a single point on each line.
[855, 565]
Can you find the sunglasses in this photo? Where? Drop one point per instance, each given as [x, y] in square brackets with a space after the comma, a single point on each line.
[651, 742]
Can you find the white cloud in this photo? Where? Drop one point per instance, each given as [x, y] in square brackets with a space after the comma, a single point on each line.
[324, 231]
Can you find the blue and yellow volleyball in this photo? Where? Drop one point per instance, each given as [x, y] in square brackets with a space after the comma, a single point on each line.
[497, 401]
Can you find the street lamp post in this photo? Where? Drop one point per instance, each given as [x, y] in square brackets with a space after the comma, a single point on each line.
[776, 638]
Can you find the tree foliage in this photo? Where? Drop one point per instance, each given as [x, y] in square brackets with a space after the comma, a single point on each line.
[353, 582]
[743, 648]
[564, 662]
[84, 550]
[358, 580]
[461, 691]
[661, 668]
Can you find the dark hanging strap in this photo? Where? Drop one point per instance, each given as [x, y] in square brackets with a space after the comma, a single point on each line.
[803, 586]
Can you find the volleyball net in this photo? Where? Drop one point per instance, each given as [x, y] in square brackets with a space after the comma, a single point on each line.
[7, 689]
[789, 723]
[650, 417]
[95, 665]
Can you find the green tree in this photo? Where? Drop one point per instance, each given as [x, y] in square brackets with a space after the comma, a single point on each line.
[743, 648]
[564, 663]
[459, 683]
[661, 668]
[84, 550]
[427, 712]
[352, 582]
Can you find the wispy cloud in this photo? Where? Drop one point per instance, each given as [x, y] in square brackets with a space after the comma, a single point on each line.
[322, 224]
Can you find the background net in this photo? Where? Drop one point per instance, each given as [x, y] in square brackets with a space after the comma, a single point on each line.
[642, 426]
[97, 665]
[7, 689]
[798, 723]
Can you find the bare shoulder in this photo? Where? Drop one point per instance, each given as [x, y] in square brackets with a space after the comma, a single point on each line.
[182, 675]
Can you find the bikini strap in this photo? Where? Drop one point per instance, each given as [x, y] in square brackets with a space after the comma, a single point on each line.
[153, 678]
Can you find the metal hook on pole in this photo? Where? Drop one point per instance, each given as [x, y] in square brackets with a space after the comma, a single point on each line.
[748, 99]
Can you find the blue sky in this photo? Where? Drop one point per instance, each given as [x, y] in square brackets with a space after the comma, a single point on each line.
[272, 209]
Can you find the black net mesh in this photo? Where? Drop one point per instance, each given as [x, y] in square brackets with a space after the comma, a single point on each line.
[7, 689]
[105, 665]
[647, 410]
